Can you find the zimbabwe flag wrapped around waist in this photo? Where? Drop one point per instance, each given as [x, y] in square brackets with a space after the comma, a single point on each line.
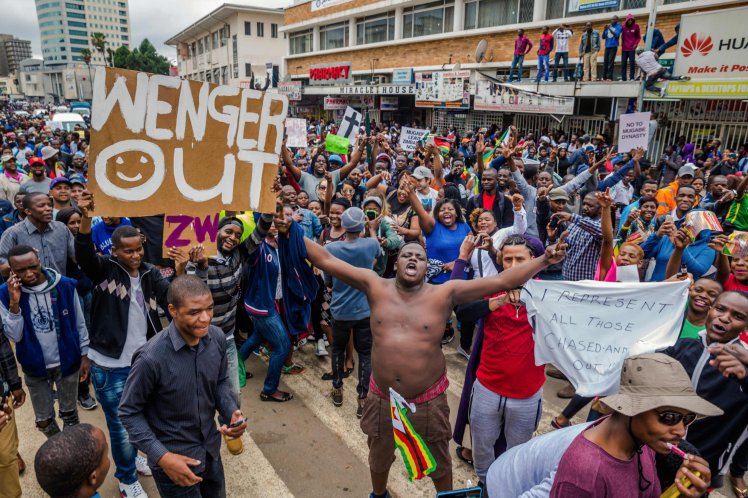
[418, 459]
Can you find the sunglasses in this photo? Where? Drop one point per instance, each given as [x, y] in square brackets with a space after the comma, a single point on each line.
[674, 418]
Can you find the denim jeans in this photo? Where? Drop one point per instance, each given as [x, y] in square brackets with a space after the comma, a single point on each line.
[40, 392]
[269, 329]
[543, 61]
[558, 57]
[516, 60]
[213, 484]
[628, 61]
[492, 414]
[341, 331]
[609, 61]
[109, 384]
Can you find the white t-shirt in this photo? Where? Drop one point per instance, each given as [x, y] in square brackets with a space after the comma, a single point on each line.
[648, 62]
[484, 266]
[137, 329]
[562, 39]
[428, 200]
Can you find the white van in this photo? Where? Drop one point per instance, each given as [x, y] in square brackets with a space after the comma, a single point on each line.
[67, 121]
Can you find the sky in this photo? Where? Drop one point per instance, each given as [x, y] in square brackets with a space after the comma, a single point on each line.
[156, 20]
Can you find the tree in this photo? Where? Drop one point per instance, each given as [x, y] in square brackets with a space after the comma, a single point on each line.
[98, 42]
[143, 58]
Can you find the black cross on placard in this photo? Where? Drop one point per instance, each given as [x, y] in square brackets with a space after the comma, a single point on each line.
[351, 121]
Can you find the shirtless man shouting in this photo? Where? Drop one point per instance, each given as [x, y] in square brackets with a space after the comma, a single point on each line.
[407, 324]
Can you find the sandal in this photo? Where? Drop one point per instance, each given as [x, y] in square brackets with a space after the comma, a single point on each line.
[294, 369]
[462, 457]
[739, 493]
[286, 397]
[556, 425]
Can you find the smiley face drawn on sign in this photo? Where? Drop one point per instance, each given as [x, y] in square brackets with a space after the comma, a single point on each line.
[150, 162]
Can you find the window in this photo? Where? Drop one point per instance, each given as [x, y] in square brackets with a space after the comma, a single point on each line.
[235, 52]
[123, 21]
[377, 28]
[75, 32]
[206, 43]
[123, 29]
[74, 6]
[75, 15]
[247, 28]
[273, 30]
[428, 19]
[333, 36]
[123, 13]
[260, 29]
[215, 40]
[77, 24]
[125, 37]
[489, 13]
[76, 41]
[200, 46]
[50, 23]
[300, 42]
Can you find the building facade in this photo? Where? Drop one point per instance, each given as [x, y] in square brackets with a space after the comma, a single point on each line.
[12, 52]
[230, 44]
[66, 27]
[53, 83]
[391, 48]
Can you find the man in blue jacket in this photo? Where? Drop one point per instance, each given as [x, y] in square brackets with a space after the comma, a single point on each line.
[43, 316]
[612, 34]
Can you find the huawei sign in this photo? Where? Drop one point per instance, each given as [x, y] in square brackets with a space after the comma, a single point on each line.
[697, 42]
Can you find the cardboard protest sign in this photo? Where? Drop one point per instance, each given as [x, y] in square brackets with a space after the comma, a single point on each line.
[160, 144]
[296, 132]
[737, 245]
[350, 125]
[633, 131]
[588, 328]
[697, 221]
[185, 232]
[409, 137]
[336, 144]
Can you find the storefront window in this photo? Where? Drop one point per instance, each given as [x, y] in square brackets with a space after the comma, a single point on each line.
[374, 29]
[301, 42]
[333, 36]
[490, 13]
[429, 19]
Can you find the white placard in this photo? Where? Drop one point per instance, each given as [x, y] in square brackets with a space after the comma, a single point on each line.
[296, 132]
[409, 137]
[633, 131]
[291, 89]
[588, 328]
[350, 124]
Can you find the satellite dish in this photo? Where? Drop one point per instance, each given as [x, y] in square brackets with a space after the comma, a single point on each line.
[480, 51]
[456, 67]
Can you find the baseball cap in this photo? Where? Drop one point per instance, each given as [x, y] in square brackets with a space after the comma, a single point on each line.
[558, 194]
[7, 157]
[422, 172]
[57, 181]
[353, 220]
[336, 159]
[686, 169]
[77, 178]
[649, 381]
[36, 160]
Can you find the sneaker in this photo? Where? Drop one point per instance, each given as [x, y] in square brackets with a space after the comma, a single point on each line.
[299, 344]
[320, 350]
[360, 409]
[448, 336]
[87, 402]
[141, 464]
[462, 352]
[555, 425]
[386, 495]
[337, 396]
[327, 343]
[134, 490]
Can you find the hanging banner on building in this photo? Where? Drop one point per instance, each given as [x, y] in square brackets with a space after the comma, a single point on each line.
[338, 73]
[350, 125]
[633, 131]
[161, 144]
[588, 328]
[491, 96]
[333, 103]
[323, 4]
[291, 89]
[389, 104]
[185, 232]
[296, 132]
[712, 45]
[409, 137]
[583, 5]
[707, 90]
[443, 89]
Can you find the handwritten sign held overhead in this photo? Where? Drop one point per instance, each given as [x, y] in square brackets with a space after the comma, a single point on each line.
[633, 131]
[185, 232]
[350, 126]
[160, 144]
[588, 328]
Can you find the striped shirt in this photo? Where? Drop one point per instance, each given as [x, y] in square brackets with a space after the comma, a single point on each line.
[224, 276]
[584, 239]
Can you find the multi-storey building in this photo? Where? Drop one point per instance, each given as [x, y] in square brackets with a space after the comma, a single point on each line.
[66, 27]
[12, 52]
[230, 44]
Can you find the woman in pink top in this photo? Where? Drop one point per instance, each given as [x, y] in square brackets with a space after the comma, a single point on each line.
[629, 254]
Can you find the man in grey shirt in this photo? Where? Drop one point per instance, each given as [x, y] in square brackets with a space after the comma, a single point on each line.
[39, 181]
[178, 380]
[52, 239]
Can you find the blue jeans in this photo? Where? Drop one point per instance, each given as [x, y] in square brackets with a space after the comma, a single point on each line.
[213, 484]
[516, 60]
[558, 57]
[269, 329]
[543, 61]
[109, 384]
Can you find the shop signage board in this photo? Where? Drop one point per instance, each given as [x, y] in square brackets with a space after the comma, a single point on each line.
[584, 5]
[388, 104]
[291, 89]
[707, 90]
[490, 96]
[323, 4]
[333, 103]
[443, 89]
[712, 45]
[378, 90]
[337, 73]
[402, 76]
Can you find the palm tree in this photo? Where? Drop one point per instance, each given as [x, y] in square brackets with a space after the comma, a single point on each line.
[98, 42]
[86, 55]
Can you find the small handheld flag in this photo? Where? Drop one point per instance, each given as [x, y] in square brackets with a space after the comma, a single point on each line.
[418, 459]
[443, 145]
[505, 138]
[697, 221]
[488, 155]
[737, 245]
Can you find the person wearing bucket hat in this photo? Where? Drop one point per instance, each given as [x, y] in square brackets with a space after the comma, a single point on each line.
[614, 456]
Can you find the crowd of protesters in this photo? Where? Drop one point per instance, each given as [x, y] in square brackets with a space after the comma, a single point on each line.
[408, 250]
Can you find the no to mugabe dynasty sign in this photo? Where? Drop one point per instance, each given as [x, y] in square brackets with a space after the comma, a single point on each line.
[160, 144]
